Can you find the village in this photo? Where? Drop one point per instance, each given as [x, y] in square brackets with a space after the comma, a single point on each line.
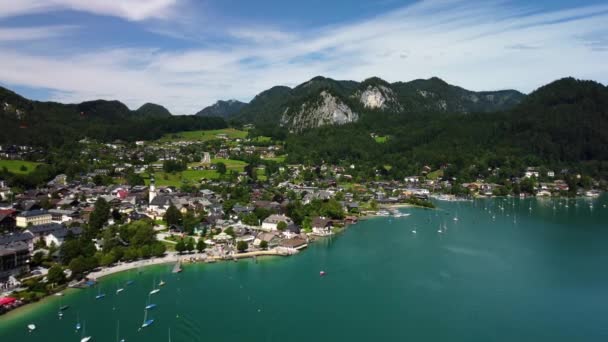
[225, 196]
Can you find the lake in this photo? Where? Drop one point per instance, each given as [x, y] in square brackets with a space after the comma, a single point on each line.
[506, 270]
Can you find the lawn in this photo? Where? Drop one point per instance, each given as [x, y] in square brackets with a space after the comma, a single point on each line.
[278, 159]
[381, 139]
[14, 166]
[262, 139]
[205, 135]
[188, 176]
[435, 175]
[231, 164]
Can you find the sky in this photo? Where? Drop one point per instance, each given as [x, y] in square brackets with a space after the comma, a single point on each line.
[187, 54]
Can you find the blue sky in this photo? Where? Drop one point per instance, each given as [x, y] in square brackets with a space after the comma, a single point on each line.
[187, 54]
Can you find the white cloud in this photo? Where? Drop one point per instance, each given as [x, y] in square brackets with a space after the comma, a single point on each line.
[481, 46]
[13, 34]
[134, 10]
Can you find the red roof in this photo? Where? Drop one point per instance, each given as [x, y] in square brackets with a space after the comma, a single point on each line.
[7, 300]
[8, 212]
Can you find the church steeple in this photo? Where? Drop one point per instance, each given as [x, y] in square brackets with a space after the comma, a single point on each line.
[152, 190]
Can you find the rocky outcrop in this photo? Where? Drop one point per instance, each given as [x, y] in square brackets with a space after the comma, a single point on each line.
[327, 109]
[378, 97]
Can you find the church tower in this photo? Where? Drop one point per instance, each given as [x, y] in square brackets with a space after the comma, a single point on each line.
[152, 191]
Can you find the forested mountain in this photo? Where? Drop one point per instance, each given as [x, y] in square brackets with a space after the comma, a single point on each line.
[324, 101]
[563, 124]
[152, 110]
[223, 109]
[49, 123]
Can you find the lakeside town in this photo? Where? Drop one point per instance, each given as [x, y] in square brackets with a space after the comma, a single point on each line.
[206, 197]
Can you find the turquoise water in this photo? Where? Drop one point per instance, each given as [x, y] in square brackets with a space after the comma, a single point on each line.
[525, 275]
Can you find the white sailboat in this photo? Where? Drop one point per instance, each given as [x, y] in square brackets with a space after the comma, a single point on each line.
[118, 332]
[154, 288]
[85, 338]
[147, 322]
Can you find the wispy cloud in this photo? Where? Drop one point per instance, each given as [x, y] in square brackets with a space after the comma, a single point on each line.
[134, 10]
[13, 34]
[478, 45]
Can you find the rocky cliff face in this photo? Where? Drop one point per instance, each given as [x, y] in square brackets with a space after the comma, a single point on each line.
[327, 109]
[378, 97]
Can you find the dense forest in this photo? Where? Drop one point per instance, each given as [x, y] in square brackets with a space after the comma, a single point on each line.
[53, 124]
[563, 124]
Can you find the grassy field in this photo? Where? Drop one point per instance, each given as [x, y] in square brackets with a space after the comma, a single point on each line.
[204, 135]
[14, 166]
[435, 175]
[278, 159]
[262, 139]
[381, 140]
[231, 164]
[188, 176]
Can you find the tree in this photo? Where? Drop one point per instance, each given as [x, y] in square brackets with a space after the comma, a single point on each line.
[134, 179]
[200, 245]
[221, 168]
[99, 216]
[189, 244]
[264, 244]
[242, 246]
[56, 275]
[180, 247]
[173, 216]
[281, 226]
[230, 231]
[78, 266]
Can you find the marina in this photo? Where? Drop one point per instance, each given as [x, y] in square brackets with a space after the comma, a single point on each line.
[481, 268]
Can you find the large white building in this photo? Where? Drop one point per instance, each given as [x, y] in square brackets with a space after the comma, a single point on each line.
[33, 218]
[272, 221]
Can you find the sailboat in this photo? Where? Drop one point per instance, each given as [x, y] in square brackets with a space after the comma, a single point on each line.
[118, 339]
[99, 294]
[119, 289]
[154, 289]
[147, 322]
[150, 306]
[162, 283]
[85, 338]
[78, 326]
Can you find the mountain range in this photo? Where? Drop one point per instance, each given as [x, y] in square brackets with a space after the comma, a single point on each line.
[564, 120]
[324, 101]
[223, 109]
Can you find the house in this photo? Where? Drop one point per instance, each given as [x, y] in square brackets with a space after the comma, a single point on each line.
[242, 210]
[14, 259]
[321, 226]
[550, 174]
[7, 220]
[62, 216]
[271, 222]
[33, 218]
[296, 243]
[272, 238]
[291, 231]
[531, 172]
[40, 232]
[58, 236]
[27, 238]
